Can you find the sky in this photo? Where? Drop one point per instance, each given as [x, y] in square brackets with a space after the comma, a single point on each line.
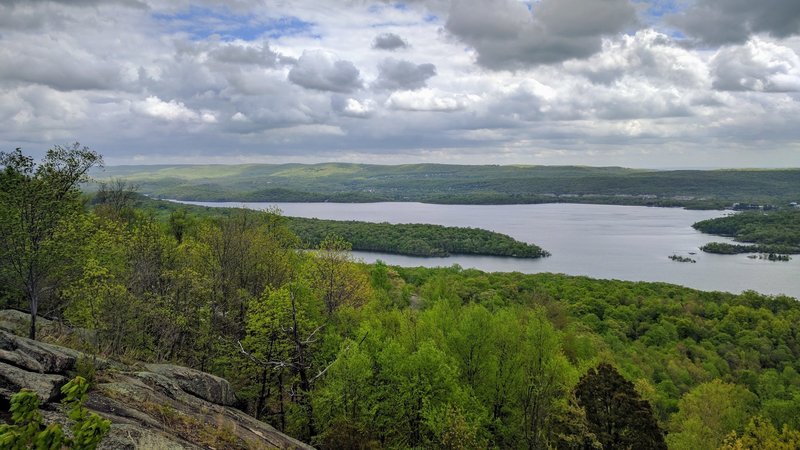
[635, 83]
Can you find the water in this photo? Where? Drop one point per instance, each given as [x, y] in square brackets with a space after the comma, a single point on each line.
[600, 241]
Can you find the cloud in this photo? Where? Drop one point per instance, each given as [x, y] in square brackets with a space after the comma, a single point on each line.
[235, 53]
[647, 54]
[249, 83]
[395, 74]
[351, 107]
[716, 22]
[507, 35]
[429, 100]
[756, 66]
[171, 111]
[389, 41]
[319, 69]
[57, 65]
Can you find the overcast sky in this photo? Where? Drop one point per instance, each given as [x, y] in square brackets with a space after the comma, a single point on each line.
[659, 83]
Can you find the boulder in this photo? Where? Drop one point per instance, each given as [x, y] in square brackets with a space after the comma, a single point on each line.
[36, 356]
[200, 384]
[46, 386]
[20, 322]
[150, 405]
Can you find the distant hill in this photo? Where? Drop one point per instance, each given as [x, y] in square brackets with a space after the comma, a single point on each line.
[458, 184]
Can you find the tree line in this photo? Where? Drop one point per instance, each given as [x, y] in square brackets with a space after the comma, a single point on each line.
[774, 231]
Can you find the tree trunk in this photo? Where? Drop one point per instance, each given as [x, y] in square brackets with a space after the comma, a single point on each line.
[34, 311]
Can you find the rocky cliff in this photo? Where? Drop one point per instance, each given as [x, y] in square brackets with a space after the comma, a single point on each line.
[151, 406]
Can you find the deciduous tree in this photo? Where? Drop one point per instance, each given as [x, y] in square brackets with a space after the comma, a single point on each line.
[38, 202]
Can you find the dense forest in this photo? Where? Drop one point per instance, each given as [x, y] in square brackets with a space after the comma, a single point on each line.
[347, 355]
[776, 231]
[413, 239]
[455, 184]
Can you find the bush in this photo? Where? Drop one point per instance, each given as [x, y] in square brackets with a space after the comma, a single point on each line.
[26, 432]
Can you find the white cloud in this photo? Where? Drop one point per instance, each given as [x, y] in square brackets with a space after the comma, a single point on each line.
[429, 100]
[171, 111]
[355, 108]
[757, 65]
[647, 53]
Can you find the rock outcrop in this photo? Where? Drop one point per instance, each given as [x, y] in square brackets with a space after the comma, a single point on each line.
[151, 406]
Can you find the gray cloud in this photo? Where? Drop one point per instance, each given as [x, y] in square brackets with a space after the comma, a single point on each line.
[395, 74]
[647, 54]
[260, 55]
[321, 70]
[57, 65]
[389, 41]
[129, 3]
[756, 66]
[717, 22]
[506, 35]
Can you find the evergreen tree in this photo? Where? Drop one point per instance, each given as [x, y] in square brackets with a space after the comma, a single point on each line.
[615, 413]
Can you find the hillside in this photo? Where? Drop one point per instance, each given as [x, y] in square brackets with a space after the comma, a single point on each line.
[439, 183]
[150, 405]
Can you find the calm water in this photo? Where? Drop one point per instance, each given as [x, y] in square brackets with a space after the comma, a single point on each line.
[600, 241]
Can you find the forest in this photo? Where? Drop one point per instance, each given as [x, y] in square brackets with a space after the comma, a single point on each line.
[346, 355]
[461, 184]
[775, 231]
[413, 239]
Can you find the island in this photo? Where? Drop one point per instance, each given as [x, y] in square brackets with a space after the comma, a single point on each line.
[678, 258]
[775, 232]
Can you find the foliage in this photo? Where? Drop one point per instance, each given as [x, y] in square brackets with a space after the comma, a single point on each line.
[760, 434]
[88, 429]
[708, 412]
[775, 231]
[615, 413]
[39, 204]
[413, 239]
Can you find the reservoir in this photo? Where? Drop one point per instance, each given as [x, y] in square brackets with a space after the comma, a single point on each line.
[600, 241]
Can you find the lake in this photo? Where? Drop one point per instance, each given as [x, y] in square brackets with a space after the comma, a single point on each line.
[600, 241]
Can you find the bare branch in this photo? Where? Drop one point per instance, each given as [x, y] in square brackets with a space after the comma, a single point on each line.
[347, 349]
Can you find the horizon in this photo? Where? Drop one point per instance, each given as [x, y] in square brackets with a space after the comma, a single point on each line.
[650, 84]
[663, 169]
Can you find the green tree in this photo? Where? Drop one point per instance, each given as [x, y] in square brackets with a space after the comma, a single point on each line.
[284, 333]
[616, 414]
[708, 413]
[546, 375]
[335, 278]
[760, 434]
[37, 204]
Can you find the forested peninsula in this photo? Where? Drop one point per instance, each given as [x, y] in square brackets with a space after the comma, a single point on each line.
[771, 232]
[462, 184]
[403, 239]
[413, 239]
